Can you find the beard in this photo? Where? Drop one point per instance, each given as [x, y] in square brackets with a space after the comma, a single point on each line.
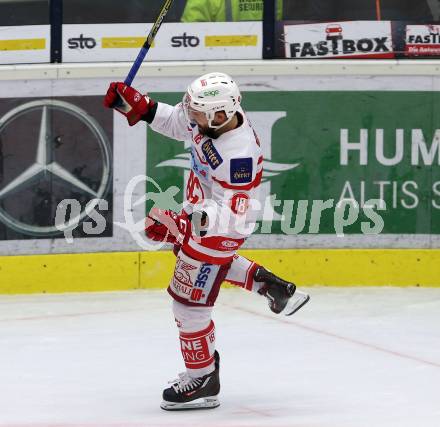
[209, 132]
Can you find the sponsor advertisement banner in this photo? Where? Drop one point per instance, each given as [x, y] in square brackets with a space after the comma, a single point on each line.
[51, 150]
[354, 39]
[324, 148]
[422, 40]
[324, 140]
[175, 41]
[25, 44]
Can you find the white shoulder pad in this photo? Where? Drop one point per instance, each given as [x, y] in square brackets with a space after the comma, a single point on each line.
[241, 158]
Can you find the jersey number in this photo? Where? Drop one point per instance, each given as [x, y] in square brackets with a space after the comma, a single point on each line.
[194, 192]
[239, 203]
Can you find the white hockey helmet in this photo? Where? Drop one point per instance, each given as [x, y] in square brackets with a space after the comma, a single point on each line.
[211, 93]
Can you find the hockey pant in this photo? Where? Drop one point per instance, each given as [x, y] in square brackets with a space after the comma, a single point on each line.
[239, 271]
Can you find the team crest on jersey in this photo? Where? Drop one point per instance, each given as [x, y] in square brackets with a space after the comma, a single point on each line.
[181, 272]
[182, 282]
[211, 154]
[241, 170]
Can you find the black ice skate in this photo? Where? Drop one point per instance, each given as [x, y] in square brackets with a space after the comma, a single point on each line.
[279, 293]
[193, 393]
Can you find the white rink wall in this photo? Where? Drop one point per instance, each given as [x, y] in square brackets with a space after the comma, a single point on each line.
[129, 144]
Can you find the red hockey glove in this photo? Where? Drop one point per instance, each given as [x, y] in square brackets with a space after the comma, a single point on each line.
[166, 225]
[128, 101]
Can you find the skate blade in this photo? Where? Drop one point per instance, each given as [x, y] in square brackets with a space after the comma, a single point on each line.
[298, 300]
[202, 403]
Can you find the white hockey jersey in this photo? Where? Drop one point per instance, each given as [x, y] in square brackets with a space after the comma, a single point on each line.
[224, 182]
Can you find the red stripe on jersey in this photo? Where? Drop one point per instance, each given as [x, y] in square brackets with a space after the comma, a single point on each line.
[224, 244]
[260, 160]
[254, 184]
[200, 256]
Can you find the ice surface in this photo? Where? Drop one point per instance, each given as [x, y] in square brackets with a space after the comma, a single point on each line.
[351, 357]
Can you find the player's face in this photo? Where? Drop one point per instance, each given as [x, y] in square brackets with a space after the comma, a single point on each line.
[200, 119]
[197, 117]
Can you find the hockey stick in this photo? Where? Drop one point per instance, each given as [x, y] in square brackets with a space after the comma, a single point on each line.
[146, 46]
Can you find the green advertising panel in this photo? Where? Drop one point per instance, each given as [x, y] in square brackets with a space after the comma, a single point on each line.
[333, 146]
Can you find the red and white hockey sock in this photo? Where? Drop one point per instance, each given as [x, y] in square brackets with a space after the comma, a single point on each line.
[198, 351]
[242, 272]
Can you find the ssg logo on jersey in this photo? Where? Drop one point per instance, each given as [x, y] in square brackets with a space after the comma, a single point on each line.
[211, 154]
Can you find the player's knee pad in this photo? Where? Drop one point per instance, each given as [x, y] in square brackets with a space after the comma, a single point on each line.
[196, 283]
[191, 318]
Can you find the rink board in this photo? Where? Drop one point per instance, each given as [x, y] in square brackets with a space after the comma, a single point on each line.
[152, 270]
[406, 253]
[396, 105]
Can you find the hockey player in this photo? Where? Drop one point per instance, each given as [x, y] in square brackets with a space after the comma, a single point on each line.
[226, 171]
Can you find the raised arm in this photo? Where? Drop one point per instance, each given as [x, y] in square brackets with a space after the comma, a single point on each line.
[163, 118]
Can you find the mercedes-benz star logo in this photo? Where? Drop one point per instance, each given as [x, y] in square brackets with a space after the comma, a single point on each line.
[46, 167]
